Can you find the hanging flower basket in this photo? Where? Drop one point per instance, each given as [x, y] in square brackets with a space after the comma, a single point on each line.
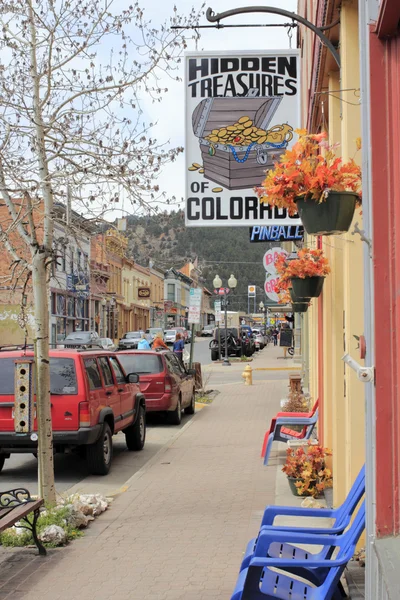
[331, 216]
[294, 298]
[307, 287]
[300, 307]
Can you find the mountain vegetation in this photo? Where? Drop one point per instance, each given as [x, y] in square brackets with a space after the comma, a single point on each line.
[164, 241]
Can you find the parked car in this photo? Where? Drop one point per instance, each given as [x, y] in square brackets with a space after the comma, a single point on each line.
[170, 336]
[152, 332]
[234, 345]
[207, 331]
[258, 339]
[106, 344]
[92, 399]
[81, 339]
[130, 340]
[164, 381]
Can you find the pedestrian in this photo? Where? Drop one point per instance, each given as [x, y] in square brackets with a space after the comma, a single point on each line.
[143, 343]
[275, 336]
[159, 342]
[178, 347]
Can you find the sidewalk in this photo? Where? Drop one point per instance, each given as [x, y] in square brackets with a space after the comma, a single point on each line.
[179, 531]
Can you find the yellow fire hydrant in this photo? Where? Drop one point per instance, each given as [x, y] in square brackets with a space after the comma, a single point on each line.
[248, 375]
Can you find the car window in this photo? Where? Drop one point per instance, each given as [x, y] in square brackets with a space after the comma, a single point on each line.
[62, 376]
[141, 363]
[117, 370]
[106, 370]
[176, 365]
[93, 374]
[78, 335]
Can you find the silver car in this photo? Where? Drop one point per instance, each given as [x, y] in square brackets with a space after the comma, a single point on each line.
[170, 336]
[130, 340]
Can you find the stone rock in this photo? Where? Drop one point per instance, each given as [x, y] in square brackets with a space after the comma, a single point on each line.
[53, 534]
[96, 501]
[311, 503]
[77, 519]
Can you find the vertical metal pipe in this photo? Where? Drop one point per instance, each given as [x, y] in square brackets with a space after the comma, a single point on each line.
[226, 359]
[369, 308]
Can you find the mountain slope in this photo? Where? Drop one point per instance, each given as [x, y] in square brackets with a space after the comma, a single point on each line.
[164, 240]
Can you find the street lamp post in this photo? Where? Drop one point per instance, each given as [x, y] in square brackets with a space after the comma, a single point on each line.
[232, 283]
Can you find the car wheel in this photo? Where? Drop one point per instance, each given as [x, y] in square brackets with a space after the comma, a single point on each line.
[135, 435]
[214, 355]
[190, 410]
[99, 454]
[175, 417]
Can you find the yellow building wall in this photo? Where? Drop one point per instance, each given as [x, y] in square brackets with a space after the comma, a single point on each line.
[343, 393]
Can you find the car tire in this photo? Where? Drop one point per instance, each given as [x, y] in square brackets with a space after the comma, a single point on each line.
[99, 454]
[191, 409]
[135, 435]
[214, 355]
[175, 417]
[239, 352]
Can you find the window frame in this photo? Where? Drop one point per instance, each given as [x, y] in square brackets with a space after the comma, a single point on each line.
[100, 361]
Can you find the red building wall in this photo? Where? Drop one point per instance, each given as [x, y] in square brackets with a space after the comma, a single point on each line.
[385, 153]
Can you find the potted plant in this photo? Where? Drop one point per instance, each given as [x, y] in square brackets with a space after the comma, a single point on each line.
[305, 274]
[306, 470]
[311, 180]
[287, 296]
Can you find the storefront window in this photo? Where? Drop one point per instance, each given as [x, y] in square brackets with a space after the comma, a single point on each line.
[80, 303]
[71, 307]
[60, 304]
[60, 329]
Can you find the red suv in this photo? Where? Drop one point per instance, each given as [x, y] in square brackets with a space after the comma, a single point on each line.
[164, 381]
[91, 400]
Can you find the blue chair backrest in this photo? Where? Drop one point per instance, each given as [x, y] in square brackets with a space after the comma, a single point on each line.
[347, 544]
[353, 498]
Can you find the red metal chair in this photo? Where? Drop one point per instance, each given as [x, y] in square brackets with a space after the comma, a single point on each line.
[280, 431]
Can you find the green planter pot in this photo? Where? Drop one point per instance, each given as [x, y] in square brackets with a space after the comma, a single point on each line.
[297, 298]
[309, 287]
[298, 307]
[292, 484]
[330, 217]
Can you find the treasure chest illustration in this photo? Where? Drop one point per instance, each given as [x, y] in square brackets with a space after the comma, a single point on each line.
[236, 145]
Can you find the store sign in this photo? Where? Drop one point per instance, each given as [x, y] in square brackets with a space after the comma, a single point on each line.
[168, 305]
[251, 291]
[143, 293]
[242, 110]
[271, 276]
[276, 233]
[195, 306]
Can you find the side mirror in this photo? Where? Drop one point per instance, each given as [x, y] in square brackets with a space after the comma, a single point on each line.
[133, 378]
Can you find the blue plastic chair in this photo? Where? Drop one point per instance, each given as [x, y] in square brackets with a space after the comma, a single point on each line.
[259, 582]
[342, 516]
[282, 432]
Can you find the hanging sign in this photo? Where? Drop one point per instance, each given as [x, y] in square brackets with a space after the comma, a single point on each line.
[242, 110]
[271, 277]
[276, 233]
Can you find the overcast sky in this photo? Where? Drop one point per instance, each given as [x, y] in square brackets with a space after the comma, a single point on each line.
[169, 114]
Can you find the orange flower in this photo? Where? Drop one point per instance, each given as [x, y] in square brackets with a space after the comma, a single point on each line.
[305, 171]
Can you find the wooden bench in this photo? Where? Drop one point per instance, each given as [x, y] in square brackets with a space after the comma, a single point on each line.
[15, 506]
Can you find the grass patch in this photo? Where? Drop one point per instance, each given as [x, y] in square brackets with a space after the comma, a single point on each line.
[51, 516]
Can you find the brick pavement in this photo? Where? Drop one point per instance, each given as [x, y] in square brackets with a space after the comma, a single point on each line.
[179, 531]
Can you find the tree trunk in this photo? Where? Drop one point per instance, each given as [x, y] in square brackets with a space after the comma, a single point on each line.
[45, 433]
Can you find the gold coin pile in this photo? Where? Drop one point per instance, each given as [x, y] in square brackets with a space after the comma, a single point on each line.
[241, 133]
[244, 132]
